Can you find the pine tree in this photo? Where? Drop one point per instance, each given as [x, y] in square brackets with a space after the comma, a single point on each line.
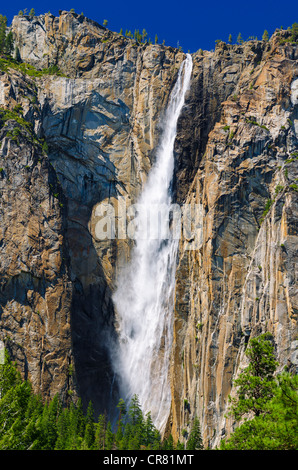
[61, 442]
[9, 376]
[17, 54]
[135, 412]
[179, 445]
[8, 47]
[3, 23]
[89, 434]
[137, 36]
[275, 429]
[80, 417]
[109, 437]
[13, 407]
[239, 39]
[149, 432]
[168, 444]
[100, 433]
[32, 12]
[194, 441]
[294, 32]
[120, 429]
[156, 39]
[75, 428]
[230, 39]
[255, 385]
[144, 35]
[156, 440]
[119, 435]
[265, 36]
[127, 431]
[50, 422]
[33, 412]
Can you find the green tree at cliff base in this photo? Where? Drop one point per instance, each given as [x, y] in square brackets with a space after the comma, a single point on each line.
[265, 406]
[27, 422]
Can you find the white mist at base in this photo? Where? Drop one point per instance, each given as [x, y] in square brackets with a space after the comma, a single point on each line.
[145, 293]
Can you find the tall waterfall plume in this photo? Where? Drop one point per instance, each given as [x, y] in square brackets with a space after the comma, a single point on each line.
[145, 293]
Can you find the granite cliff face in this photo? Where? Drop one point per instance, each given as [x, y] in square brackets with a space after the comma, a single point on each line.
[242, 279]
[235, 150]
[100, 124]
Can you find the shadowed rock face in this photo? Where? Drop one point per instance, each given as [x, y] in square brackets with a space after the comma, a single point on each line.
[36, 292]
[235, 138]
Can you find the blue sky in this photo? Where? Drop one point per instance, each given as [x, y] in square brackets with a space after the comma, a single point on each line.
[191, 24]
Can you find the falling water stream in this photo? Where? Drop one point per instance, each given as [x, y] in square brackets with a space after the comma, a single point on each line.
[145, 293]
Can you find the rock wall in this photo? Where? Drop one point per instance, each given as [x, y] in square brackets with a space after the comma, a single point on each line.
[240, 279]
[36, 291]
[235, 150]
[100, 123]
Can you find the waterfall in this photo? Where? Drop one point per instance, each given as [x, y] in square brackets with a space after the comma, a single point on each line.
[145, 293]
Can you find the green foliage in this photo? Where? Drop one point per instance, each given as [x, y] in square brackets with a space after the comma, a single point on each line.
[27, 422]
[268, 204]
[294, 32]
[255, 123]
[278, 188]
[27, 69]
[144, 35]
[265, 36]
[17, 126]
[256, 383]
[271, 402]
[294, 186]
[293, 38]
[17, 55]
[7, 114]
[9, 43]
[194, 441]
[3, 23]
[137, 36]
[6, 40]
[141, 38]
[45, 147]
[239, 39]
